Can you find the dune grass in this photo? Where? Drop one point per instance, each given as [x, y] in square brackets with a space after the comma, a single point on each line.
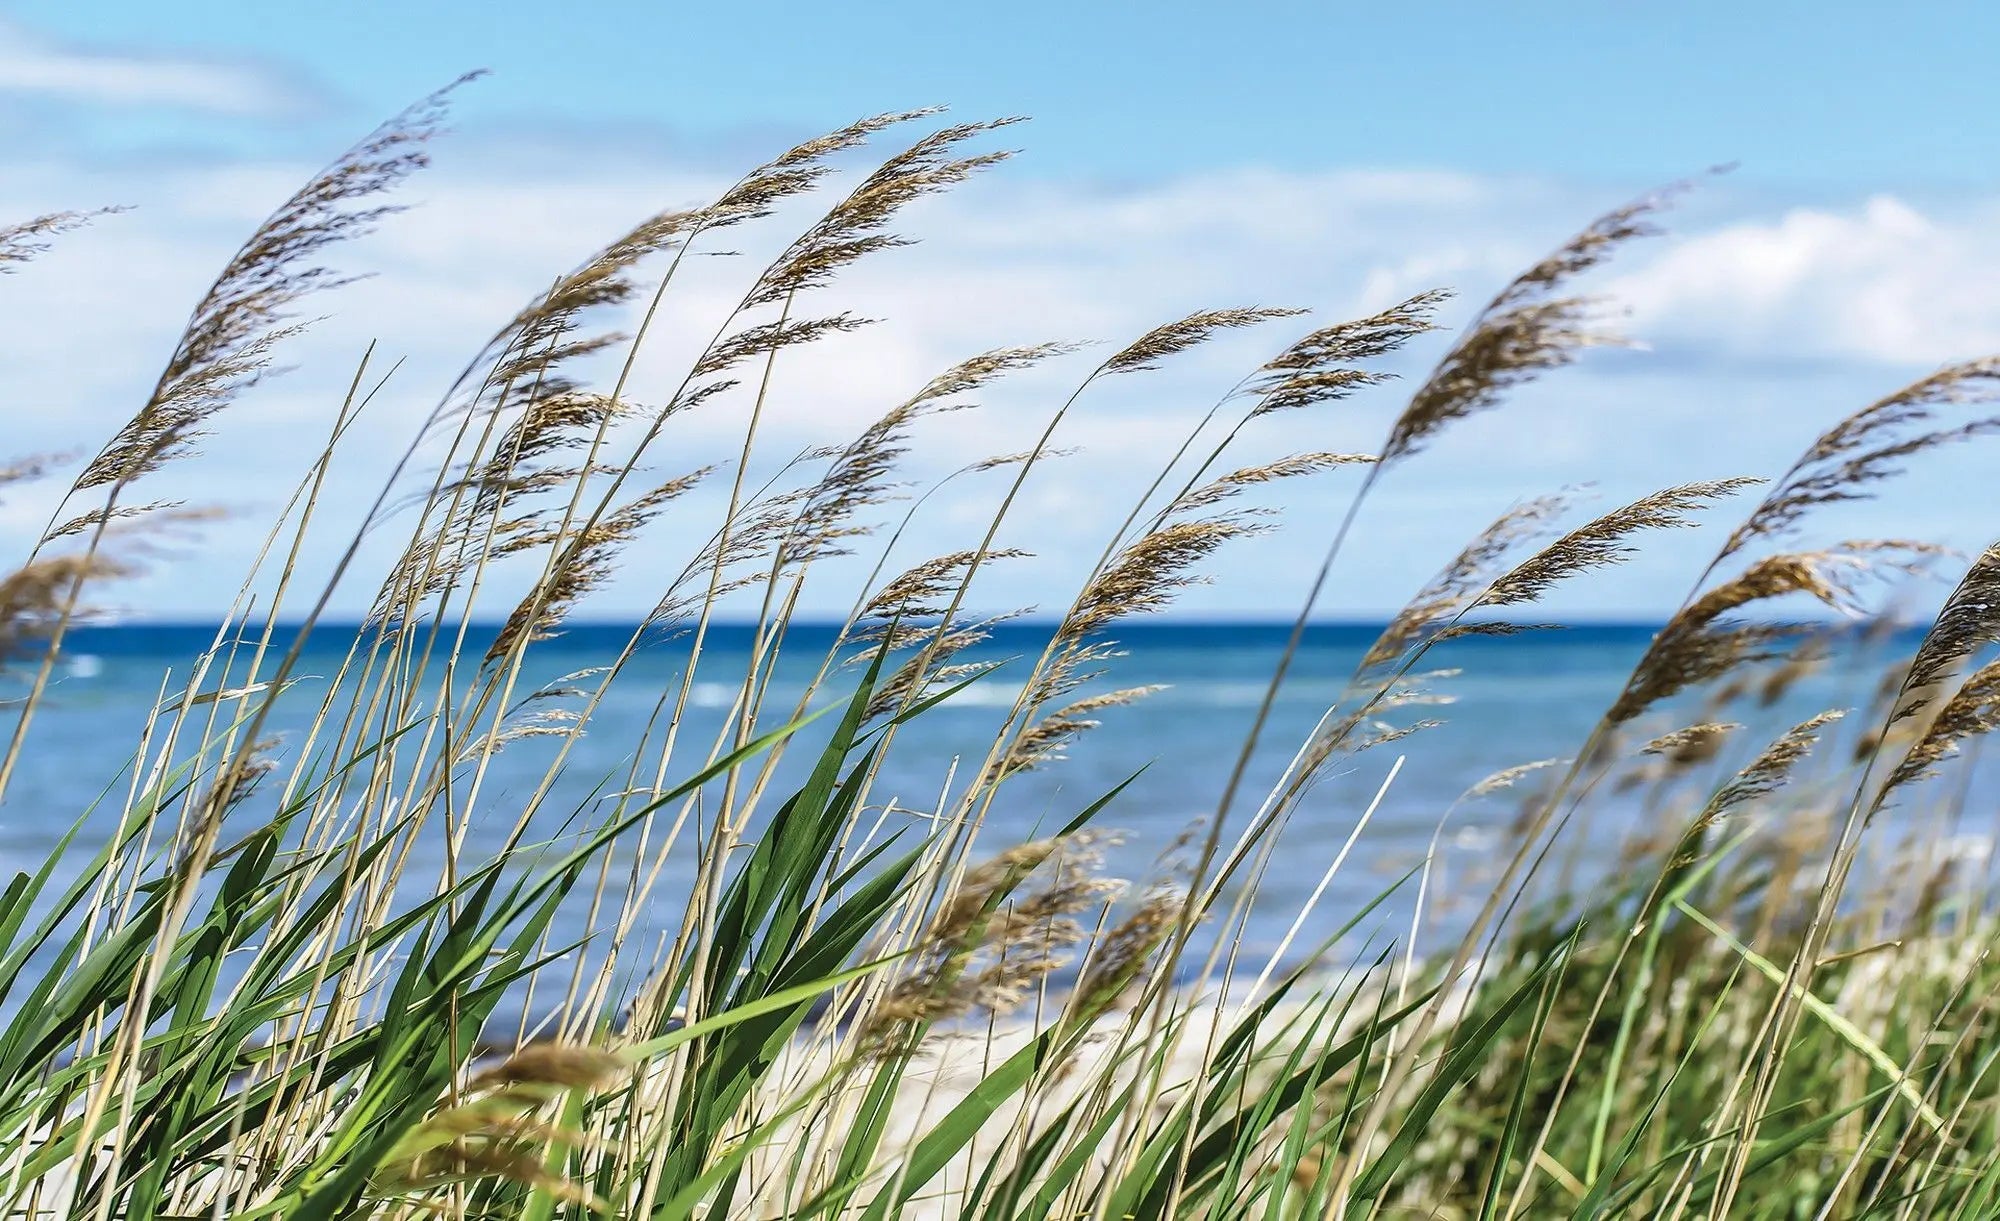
[234, 990]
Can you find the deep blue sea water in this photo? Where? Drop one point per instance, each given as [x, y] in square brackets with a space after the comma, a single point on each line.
[1516, 699]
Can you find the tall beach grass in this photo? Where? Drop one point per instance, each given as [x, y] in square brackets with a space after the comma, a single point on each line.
[285, 980]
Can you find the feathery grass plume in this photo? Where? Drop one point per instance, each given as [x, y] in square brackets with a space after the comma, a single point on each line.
[1338, 735]
[1459, 582]
[528, 355]
[1380, 733]
[29, 469]
[1871, 445]
[1226, 486]
[1173, 338]
[552, 421]
[546, 1063]
[1606, 540]
[932, 667]
[854, 227]
[1042, 742]
[733, 558]
[1508, 777]
[1769, 770]
[1122, 953]
[1968, 621]
[1524, 331]
[227, 344]
[530, 718]
[1692, 743]
[1148, 573]
[860, 472]
[1699, 644]
[586, 562]
[804, 165]
[1141, 578]
[1972, 711]
[997, 461]
[984, 949]
[492, 509]
[538, 338]
[158, 515]
[246, 776]
[23, 240]
[915, 593]
[496, 1133]
[1319, 368]
[36, 598]
[765, 338]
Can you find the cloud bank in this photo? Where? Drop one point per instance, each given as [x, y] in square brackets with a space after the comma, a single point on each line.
[36, 67]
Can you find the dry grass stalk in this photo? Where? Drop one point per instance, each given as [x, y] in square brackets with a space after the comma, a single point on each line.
[1606, 540]
[986, 950]
[227, 344]
[496, 1134]
[1455, 587]
[1972, 712]
[1172, 338]
[1870, 446]
[587, 561]
[1523, 332]
[37, 599]
[1508, 777]
[540, 337]
[1968, 621]
[1320, 367]
[1693, 743]
[1770, 769]
[1145, 576]
[1141, 578]
[859, 476]
[932, 667]
[918, 592]
[1121, 954]
[1042, 742]
[547, 1063]
[1698, 644]
[1229, 485]
[23, 240]
[855, 226]
[526, 375]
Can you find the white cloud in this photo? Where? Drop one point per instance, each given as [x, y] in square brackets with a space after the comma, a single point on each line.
[35, 66]
[1880, 281]
[1854, 299]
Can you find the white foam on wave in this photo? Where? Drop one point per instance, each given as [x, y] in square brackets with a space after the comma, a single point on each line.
[712, 695]
[85, 665]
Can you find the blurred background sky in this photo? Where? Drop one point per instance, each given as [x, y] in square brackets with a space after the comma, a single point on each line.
[1180, 155]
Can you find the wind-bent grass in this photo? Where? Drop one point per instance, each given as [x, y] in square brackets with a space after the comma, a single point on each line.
[236, 988]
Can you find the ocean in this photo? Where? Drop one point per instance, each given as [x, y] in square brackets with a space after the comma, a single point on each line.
[1513, 700]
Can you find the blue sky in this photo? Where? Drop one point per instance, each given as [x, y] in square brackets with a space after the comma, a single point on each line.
[1180, 156]
[1810, 95]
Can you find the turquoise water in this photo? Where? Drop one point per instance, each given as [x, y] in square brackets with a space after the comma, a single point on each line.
[1516, 699]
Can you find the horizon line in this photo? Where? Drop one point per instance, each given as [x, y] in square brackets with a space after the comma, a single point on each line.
[1142, 623]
